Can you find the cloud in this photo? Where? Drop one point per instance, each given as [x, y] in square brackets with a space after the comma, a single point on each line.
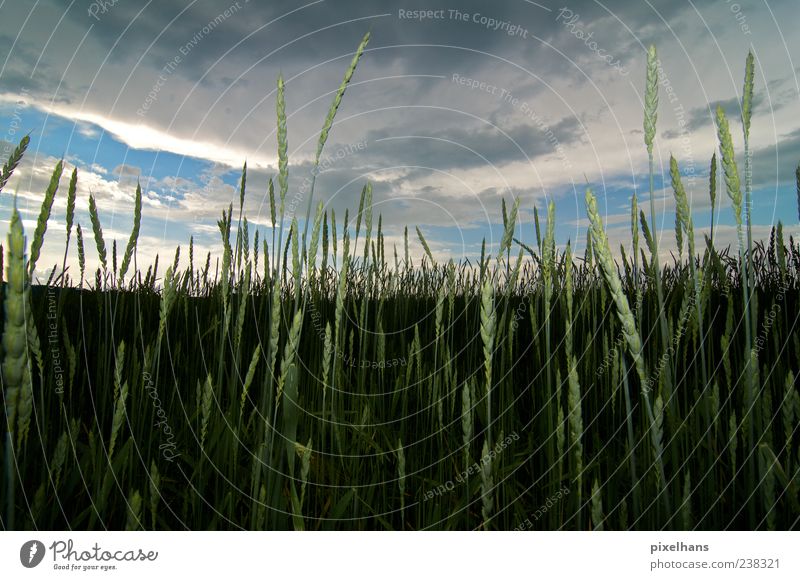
[126, 171]
[438, 154]
[775, 164]
[143, 137]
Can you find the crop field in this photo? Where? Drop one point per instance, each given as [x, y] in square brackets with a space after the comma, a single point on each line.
[317, 379]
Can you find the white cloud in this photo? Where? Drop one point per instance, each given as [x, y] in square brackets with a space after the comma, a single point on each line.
[141, 136]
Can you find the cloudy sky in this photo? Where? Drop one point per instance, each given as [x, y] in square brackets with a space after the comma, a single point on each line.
[453, 107]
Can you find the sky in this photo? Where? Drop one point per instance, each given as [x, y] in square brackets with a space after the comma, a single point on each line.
[454, 107]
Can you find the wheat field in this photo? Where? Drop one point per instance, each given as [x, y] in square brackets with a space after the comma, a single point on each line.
[309, 381]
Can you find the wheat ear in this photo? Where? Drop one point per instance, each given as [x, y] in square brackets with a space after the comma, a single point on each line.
[44, 215]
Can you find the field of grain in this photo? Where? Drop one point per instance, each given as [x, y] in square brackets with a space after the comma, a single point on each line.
[311, 381]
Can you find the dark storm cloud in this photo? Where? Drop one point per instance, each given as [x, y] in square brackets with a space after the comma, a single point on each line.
[16, 75]
[460, 148]
[701, 117]
[229, 101]
[132, 25]
[775, 164]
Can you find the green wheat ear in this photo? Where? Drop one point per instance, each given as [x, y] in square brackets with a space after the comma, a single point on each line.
[651, 99]
[682, 210]
[312, 250]
[289, 352]
[283, 144]
[367, 219]
[271, 190]
[15, 358]
[137, 220]
[360, 209]
[98, 232]
[81, 252]
[797, 180]
[119, 417]
[730, 168]
[609, 269]
[747, 96]
[648, 237]
[205, 409]
[425, 245]
[44, 215]
[70, 216]
[712, 182]
[328, 123]
[337, 100]
[13, 161]
[508, 232]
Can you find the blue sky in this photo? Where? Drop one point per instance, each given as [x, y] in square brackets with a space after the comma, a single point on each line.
[447, 113]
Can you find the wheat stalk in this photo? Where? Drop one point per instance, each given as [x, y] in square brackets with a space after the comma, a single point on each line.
[487, 486]
[629, 330]
[155, 493]
[466, 422]
[328, 123]
[686, 505]
[401, 480]
[747, 111]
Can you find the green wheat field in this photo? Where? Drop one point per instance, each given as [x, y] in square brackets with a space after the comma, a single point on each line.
[310, 381]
